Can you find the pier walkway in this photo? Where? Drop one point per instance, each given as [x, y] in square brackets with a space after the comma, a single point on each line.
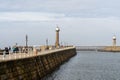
[14, 56]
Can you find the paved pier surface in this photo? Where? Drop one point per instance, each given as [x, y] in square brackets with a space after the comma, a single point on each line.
[14, 56]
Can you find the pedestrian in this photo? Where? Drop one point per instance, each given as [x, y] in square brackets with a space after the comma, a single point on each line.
[13, 48]
[6, 50]
[23, 50]
[9, 49]
[4, 54]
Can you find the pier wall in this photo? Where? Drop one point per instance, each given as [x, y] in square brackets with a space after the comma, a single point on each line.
[36, 67]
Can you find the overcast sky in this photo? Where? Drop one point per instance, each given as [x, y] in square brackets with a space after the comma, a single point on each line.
[82, 22]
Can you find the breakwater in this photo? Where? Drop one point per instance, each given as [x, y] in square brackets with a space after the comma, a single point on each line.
[89, 48]
[111, 49]
[34, 67]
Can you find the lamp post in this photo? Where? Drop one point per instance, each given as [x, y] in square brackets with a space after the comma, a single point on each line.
[47, 43]
[26, 43]
[57, 37]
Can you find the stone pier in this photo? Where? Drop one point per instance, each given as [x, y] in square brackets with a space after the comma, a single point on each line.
[111, 49]
[35, 66]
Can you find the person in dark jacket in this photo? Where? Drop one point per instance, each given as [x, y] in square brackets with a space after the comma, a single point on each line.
[6, 50]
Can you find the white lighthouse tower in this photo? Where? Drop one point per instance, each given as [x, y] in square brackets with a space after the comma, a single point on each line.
[114, 40]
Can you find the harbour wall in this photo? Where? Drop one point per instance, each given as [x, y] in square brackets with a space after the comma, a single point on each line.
[35, 67]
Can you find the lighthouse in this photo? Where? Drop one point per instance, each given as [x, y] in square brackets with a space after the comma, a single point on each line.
[114, 40]
[57, 45]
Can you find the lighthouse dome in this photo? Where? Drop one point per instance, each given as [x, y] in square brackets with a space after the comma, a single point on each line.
[114, 37]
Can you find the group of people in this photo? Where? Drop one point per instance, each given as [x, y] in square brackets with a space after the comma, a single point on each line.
[16, 49]
[8, 50]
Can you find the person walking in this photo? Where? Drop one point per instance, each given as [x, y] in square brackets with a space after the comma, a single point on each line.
[6, 50]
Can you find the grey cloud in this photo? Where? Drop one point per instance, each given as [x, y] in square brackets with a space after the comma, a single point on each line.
[79, 8]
